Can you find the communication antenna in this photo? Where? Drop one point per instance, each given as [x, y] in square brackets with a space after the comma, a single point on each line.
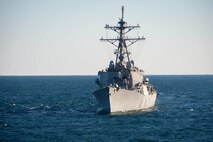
[122, 9]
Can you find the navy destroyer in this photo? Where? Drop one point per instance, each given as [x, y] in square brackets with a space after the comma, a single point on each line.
[122, 86]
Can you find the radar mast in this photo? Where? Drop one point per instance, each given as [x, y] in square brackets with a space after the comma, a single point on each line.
[122, 42]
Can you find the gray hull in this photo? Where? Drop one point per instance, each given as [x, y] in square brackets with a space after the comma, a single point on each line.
[110, 99]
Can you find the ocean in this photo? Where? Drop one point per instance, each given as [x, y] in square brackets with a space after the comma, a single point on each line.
[62, 109]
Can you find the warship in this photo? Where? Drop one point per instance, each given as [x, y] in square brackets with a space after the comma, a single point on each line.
[122, 87]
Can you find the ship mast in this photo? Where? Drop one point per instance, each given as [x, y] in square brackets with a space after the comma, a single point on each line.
[121, 41]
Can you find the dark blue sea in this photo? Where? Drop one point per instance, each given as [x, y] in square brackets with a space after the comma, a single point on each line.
[62, 108]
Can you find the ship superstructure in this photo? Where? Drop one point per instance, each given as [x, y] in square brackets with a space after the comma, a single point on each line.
[122, 86]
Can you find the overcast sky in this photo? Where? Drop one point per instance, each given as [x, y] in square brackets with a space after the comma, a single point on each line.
[61, 37]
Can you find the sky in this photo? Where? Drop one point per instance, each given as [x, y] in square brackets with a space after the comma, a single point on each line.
[61, 37]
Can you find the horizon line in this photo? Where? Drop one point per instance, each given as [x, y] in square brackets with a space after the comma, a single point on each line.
[97, 75]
